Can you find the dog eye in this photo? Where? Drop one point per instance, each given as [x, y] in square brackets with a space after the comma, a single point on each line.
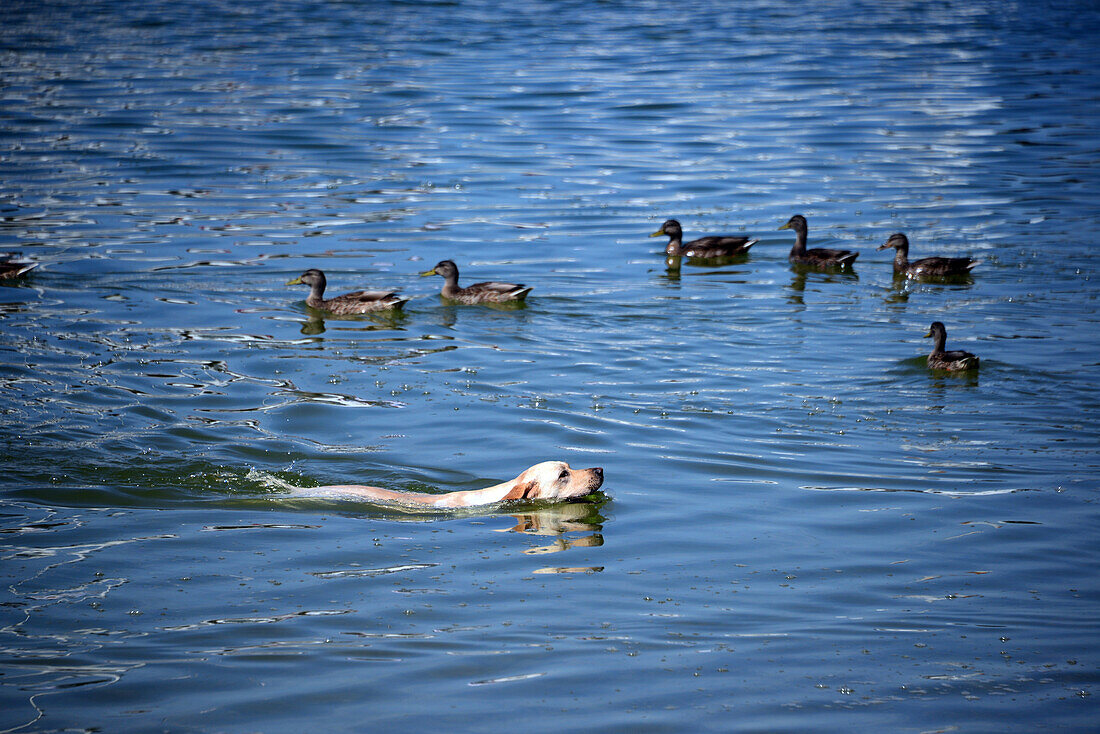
[564, 474]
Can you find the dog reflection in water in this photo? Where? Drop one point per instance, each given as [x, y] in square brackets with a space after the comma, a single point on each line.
[554, 522]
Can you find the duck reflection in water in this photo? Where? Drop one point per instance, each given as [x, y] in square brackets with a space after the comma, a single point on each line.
[447, 314]
[903, 286]
[671, 274]
[314, 324]
[13, 266]
[800, 273]
[315, 320]
[674, 266]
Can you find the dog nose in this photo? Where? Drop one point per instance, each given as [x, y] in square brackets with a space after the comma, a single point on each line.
[599, 471]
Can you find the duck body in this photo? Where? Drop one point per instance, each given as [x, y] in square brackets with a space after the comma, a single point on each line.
[713, 246]
[940, 359]
[12, 267]
[356, 302]
[934, 267]
[818, 257]
[489, 291]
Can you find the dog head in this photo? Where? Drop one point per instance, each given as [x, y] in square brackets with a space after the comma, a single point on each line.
[555, 480]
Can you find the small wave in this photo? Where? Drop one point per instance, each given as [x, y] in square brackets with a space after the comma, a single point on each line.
[269, 481]
[949, 492]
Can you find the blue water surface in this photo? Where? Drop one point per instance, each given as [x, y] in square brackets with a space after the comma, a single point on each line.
[802, 527]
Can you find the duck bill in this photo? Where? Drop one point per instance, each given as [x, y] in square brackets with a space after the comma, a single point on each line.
[786, 226]
[883, 246]
[428, 272]
[658, 233]
[928, 334]
[296, 281]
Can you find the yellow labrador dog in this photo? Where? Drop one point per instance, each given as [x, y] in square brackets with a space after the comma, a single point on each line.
[550, 480]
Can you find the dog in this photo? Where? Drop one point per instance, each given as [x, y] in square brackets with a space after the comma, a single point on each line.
[550, 480]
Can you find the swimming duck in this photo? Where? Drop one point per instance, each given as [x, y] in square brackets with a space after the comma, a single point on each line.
[957, 361]
[12, 267]
[928, 266]
[708, 247]
[818, 257]
[349, 303]
[486, 292]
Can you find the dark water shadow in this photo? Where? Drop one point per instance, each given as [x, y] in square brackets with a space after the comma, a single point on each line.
[965, 279]
[670, 276]
[832, 274]
[902, 286]
[314, 324]
[505, 306]
[800, 275]
[675, 262]
[448, 311]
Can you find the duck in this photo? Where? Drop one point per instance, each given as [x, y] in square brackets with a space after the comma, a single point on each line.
[12, 267]
[928, 266]
[486, 292]
[958, 361]
[705, 247]
[818, 257]
[349, 303]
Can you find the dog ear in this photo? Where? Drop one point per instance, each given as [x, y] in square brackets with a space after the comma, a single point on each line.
[522, 490]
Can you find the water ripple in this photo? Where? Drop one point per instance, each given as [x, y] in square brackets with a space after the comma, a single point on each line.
[784, 475]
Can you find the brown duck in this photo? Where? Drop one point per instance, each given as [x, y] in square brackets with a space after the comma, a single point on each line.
[958, 361]
[349, 303]
[819, 256]
[713, 246]
[942, 267]
[486, 292]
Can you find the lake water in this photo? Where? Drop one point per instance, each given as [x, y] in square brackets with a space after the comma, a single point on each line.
[802, 527]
